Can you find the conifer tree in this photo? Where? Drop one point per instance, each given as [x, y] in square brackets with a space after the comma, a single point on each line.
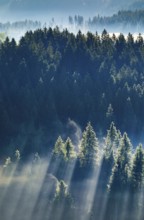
[111, 140]
[69, 149]
[137, 173]
[110, 113]
[62, 195]
[7, 167]
[59, 150]
[108, 157]
[89, 155]
[121, 171]
[36, 159]
[7, 162]
[62, 190]
[58, 161]
[17, 155]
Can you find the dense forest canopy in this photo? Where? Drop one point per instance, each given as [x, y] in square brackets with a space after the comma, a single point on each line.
[93, 180]
[52, 76]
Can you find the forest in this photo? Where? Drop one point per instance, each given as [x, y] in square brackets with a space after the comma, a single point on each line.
[94, 180]
[123, 20]
[52, 77]
[19, 25]
[72, 122]
[17, 29]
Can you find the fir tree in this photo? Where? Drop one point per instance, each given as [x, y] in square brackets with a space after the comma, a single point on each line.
[89, 154]
[69, 149]
[59, 150]
[17, 155]
[112, 141]
[121, 171]
[137, 173]
[62, 195]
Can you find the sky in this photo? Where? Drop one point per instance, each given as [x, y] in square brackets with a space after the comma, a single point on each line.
[81, 5]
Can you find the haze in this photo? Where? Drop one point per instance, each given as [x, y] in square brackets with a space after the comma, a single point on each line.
[19, 9]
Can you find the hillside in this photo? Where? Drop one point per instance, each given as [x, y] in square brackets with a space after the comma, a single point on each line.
[52, 76]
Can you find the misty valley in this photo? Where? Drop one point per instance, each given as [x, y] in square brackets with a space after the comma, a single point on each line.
[124, 21]
[72, 117]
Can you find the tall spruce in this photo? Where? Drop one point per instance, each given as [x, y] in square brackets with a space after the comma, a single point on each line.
[121, 171]
[112, 140]
[69, 149]
[59, 150]
[89, 155]
[110, 151]
[137, 173]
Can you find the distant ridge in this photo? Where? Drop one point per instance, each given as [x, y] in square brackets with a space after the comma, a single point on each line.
[106, 6]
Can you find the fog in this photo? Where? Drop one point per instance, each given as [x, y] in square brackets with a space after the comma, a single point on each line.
[17, 25]
[43, 10]
[22, 188]
[30, 191]
[44, 187]
[76, 6]
[55, 13]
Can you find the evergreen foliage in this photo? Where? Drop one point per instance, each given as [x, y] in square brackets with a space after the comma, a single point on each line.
[69, 148]
[89, 154]
[120, 21]
[121, 170]
[50, 76]
[137, 174]
[59, 150]
[116, 186]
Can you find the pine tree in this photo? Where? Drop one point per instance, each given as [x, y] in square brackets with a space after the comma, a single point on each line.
[108, 157]
[137, 173]
[69, 149]
[36, 159]
[59, 150]
[62, 195]
[112, 141]
[110, 113]
[7, 162]
[17, 155]
[62, 190]
[121, 171]
[58, 160]
[89, 155]
[7, 167]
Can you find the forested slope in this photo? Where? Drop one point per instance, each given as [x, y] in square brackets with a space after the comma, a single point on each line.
[51, 76]
[93, 180]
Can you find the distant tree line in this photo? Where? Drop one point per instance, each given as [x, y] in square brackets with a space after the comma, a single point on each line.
[123, 19]
[20, 25]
